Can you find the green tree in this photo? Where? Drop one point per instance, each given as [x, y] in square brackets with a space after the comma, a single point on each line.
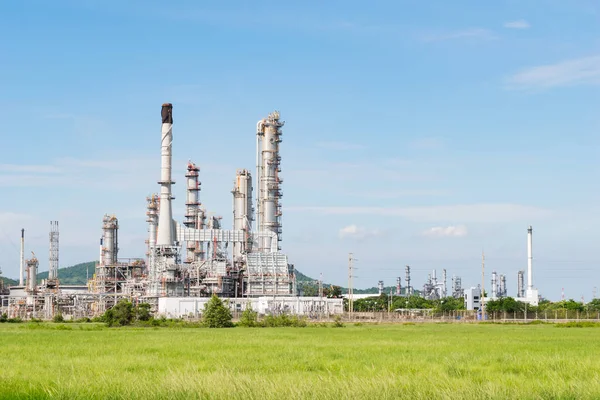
[333, 292]
[121, 314]
[216, 314]
[142, 312]
[249, 317]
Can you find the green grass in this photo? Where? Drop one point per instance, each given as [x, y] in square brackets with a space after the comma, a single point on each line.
[421, 361]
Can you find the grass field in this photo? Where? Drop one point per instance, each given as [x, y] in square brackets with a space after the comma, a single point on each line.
[423, 361]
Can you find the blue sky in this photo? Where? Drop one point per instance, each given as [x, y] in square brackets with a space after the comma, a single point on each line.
[416, 133]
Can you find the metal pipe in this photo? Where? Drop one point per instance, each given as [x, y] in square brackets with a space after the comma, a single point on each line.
[165, 235]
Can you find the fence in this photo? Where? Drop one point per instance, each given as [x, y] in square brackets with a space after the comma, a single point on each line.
[471, 316]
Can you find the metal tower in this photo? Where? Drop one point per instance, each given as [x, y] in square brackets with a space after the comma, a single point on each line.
[53, 256]
[268, 131]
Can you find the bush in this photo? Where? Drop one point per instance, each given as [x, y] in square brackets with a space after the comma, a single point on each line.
[142, 312]
[249, 318]
[58, 318]
[283, 320]
[580, 324]
[121, 314]
[216, 314]
[337, 322]
[3, 318]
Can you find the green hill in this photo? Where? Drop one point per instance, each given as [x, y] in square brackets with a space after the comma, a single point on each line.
[78, 275]
[75, 275]
[8, 281]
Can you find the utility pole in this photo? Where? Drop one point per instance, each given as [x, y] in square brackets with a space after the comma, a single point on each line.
[351, 260]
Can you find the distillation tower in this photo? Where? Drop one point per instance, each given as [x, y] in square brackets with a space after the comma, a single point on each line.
[242, 214]
[52, 281]
[268, 135]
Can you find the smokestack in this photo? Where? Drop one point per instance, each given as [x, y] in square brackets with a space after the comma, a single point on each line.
[22, 266]
[165, 235]
[529, 257]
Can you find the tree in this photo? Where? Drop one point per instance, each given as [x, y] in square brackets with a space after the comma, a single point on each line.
[121, 314]
[249, 317]
[216, 314]
[142, 312]
[333, 292]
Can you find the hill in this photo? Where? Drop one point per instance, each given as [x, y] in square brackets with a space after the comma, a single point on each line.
[78, 275]
[74, 275]
[8, 281]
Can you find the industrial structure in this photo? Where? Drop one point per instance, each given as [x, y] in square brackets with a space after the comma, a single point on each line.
[188, 261]
[434, 290]
[193, 259]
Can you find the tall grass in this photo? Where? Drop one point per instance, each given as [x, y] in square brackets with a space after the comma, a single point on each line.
[423, 361]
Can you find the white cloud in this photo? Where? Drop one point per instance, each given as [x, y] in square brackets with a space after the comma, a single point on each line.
[472, 33]
[566, 73]
[484, 213]
[446, 231]
[518, 24]
[341, 146]
[356, 232]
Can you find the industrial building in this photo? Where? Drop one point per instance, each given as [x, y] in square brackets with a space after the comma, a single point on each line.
[187, 261]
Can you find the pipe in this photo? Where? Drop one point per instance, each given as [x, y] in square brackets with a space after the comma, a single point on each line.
[22, 265]
[529, 258]
[165, 235]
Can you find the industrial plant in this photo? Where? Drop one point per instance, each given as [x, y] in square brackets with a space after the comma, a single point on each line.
[189, 261]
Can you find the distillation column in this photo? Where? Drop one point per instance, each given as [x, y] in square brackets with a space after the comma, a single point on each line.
[22, 264]
[494, 293]
[110, 240]
[520, 285]
[192, 208]
[165, 235]
[32, 268]
[242, 212]
[269, 190]
[152, 220]
[408, 287]
[53, 256]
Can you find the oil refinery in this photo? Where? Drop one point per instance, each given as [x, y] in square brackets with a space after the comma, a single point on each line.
[187, 262]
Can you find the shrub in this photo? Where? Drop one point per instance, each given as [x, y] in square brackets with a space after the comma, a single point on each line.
[249, 318]
[3, 318]
[580, 324]
[216, 314]
[142, 312]
[58, 318]
[121, 314]
[337, 322]
[283, 320]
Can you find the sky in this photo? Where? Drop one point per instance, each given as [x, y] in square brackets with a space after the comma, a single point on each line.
[417, 133]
